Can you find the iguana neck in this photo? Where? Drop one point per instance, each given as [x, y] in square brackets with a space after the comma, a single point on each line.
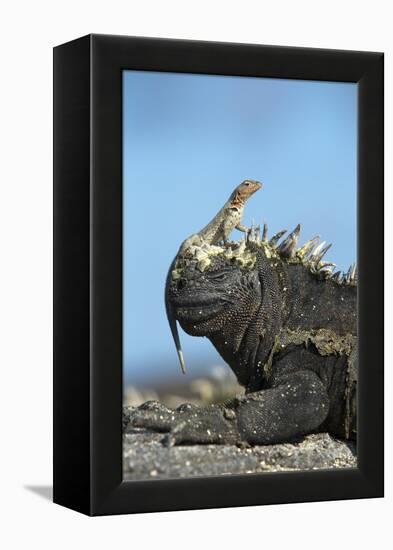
[245, 342]
[320, 303]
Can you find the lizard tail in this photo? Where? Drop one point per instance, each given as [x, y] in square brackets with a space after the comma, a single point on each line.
[172, 321]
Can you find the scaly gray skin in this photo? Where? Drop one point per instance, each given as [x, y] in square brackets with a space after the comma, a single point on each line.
[286, 325]
[217, 230]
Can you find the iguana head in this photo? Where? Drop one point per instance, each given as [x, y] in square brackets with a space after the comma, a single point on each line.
[219, 300]
[204, 302]
[213, 287]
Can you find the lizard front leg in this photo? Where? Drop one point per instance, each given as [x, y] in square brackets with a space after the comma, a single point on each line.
[229, 226]
[242, 228]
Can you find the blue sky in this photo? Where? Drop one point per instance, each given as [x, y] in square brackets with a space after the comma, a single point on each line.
[188, 140]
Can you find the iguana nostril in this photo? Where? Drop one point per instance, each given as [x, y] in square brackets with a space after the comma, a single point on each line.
[182, 284]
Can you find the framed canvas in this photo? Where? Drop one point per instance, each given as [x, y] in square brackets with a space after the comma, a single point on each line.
[176, 165]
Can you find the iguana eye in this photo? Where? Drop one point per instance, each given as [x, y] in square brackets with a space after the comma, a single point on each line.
[218, 276]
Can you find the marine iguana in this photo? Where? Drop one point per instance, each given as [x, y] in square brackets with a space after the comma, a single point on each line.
[218, 229]
[285, 323]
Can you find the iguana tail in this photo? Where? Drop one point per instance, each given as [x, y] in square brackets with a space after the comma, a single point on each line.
[172, 320]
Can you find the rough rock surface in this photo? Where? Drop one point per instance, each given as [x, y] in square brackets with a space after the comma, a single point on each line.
[145, 457]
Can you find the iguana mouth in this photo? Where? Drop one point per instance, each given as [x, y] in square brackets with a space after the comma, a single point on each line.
[194, 314]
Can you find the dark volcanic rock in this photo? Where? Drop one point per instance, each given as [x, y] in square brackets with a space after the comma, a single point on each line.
[145, 457]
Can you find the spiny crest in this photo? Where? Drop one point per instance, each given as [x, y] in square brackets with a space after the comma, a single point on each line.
[309, 254]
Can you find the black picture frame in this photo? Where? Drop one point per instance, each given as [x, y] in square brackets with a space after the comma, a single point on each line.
[88, 274]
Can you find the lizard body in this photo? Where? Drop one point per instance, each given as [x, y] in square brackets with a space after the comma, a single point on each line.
[227, 218]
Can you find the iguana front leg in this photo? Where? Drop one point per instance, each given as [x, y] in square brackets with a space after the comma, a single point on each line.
[186, 424]
[214, 424]
[296, 405]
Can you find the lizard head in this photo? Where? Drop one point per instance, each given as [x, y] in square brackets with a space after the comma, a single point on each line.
[245, 190]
